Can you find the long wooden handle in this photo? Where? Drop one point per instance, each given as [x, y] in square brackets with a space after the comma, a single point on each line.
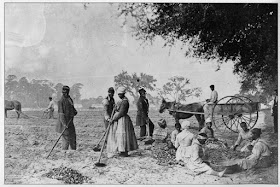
[102, 148]
[107, 128]
[59, 138]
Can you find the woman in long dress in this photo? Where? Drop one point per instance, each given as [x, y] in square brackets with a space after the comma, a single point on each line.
[121, 137]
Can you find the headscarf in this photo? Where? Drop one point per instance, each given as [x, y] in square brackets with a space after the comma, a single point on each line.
[185, 124]
[121, 90]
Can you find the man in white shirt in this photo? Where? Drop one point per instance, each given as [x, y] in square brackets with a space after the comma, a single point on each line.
[50, 108]
[213, 99]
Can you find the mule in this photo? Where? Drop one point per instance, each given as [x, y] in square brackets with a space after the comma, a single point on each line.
[11, 105]
[192, 107]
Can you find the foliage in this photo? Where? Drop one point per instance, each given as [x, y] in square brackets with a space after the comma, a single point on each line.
[244, 33]
[133, 82]
[176, 89]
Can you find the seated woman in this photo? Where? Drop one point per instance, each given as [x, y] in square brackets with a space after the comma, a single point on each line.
[160, 134]
[194, 160]
[175, 133]
[183, 140]
[243, 136]
[261, 154]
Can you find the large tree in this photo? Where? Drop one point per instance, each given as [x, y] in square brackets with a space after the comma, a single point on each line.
[177, 89]
[244, 33]
[133, 82]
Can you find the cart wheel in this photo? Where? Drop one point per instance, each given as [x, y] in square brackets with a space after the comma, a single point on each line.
[232, 110]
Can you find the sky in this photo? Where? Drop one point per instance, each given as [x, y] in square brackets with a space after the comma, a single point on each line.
[70, 43]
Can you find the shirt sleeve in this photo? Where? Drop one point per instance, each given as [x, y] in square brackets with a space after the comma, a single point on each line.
[105, 108]
[214, 96]
[256, 152]
[239, 139]
[60, 107]
[173, 137]
[177, 142]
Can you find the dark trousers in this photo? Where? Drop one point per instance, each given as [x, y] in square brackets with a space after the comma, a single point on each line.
[51, 113]
[275, 121]
[69, 138]
[143, 129]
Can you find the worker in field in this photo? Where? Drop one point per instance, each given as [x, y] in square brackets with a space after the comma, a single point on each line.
[274, 110]
[243, 137]
[66, 113]
[108, 104]
[212, 100]
[142, 117]
[121, 136]
[50, 108]
[261, 153]
[160, 134]
[183, 140]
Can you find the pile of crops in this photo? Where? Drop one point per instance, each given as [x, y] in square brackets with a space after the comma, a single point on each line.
[221, 153]
[164, 154]
[68, 175]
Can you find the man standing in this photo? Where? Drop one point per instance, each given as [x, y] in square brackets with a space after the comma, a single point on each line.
[108, 104]
[66, 113]
[274, 110]
[213, 99]
[50, 108]
[142, 118]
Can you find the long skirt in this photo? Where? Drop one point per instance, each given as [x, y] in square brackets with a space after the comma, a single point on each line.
[183, 153]
[121, 137]
[197, 167]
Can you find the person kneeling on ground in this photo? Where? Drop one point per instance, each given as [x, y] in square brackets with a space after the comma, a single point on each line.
[160, 134]
[261, 154]
[207, 129]
[175, 133]
[183, 140]
[194, 160]
[244, 135]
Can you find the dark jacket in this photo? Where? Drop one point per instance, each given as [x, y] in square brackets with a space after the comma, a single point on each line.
[108, 104]
[66, 113]
[142, 111]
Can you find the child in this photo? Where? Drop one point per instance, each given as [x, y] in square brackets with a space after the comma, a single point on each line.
[175, 133]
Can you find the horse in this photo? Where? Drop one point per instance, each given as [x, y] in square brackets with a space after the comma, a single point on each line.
[11, 105]
[192, 107]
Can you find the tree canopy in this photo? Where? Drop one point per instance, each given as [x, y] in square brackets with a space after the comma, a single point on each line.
[244, 33]
[133, 82]
[177, 89]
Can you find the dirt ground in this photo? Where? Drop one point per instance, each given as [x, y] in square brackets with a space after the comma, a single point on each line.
[28, 142]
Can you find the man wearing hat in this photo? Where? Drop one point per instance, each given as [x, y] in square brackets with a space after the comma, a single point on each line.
[274, 110]
[108, 104]
[142, 118]
[213, 99]
[261, 154]
[66, 113]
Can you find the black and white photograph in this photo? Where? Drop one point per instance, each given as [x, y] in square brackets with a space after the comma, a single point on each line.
[139, 93]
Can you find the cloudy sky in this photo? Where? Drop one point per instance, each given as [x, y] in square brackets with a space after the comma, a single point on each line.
[70, 43]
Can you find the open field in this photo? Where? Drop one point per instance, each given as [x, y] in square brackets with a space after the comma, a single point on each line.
[28, 141]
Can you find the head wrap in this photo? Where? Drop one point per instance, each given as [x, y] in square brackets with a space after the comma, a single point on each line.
[111, 90]
[162, 123]
[256, 131]
[208, 120]
[141, 88]
[185, 124]
[65, 89]
[121, 90]
[201, 136]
